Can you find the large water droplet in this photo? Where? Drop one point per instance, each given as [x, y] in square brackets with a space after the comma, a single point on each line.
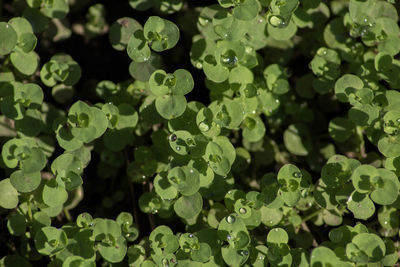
[203, 21]
[203, 126]
[199, 65]
[242, 210]
[178, 148]
[229, 59]
[230, 219]
[173, 137]
[215, 158]
[277, 21]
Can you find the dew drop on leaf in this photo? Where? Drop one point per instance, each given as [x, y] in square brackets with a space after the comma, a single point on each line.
[203, 21]
[204, 127]
[229, 59]
[244, 253]
[242, 210]
[277, 21]
[297, 174]
[322, 52]
[173, 137]
[178, 148]
[191, 235]
[230, 219]
[229, 237]
[199, 65]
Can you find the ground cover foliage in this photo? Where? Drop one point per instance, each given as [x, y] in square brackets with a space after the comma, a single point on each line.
[199, 133]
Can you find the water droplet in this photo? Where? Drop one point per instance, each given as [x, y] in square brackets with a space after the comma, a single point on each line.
[173, 137]
[363, 32]
[191, 171]
[271, 222]
[385, 222]
[199, 65]
[230, 219]
[229, 59]
[297, 174]
[242, 210]
[322, 52]
[203, 126]
[178, 148]
[261, 257]
[154, 211]
[277, 21]
[276, 229]
[203, 21]
[143, 177]
[229, 237]
[260, 20]
[191, 235]
[244, 253]
[190, 142]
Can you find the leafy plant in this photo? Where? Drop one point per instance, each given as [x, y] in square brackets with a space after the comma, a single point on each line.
[208, 133]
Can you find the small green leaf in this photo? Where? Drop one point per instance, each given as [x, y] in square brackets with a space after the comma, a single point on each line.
[8, 195]
[8, 38]
[188, 207]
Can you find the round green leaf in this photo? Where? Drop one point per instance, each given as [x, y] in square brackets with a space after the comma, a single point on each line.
[25, 182]
[8, 38]
[188, 207]
[50, 240]
[8, 195]
[121, 31]
[297, 140]
[137, 47]
[171, 106]
[26, 63]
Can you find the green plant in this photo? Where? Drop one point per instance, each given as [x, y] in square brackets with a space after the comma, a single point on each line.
[222, 148]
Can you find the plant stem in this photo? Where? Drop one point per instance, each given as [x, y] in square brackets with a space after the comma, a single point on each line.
[315, 213]
[67, 215]
[29, 206]
[132, 192]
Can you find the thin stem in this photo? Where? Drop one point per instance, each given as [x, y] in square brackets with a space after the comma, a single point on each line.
[29, 209]
[132, 192]
[315, 213]
[67, 215]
